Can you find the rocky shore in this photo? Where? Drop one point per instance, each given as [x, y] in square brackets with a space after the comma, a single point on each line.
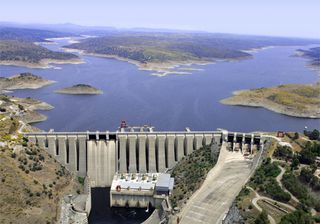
[24, 109]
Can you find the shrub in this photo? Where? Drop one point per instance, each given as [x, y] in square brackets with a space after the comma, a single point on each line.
[81, 180]
[276, 192]
[283, 152]
[298, 216]
[262, 218]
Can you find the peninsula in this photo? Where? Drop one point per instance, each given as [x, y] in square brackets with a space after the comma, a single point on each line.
[163, 52]
[80, 89]
[298, 100]
[24, 109]
[23, 81]
[27, 54]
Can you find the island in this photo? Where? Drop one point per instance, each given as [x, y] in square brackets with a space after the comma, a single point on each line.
[23, 81]
[80, 89]
[164, 52]
[298, 100]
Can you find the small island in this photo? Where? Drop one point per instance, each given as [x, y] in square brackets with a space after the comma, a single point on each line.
[80, 89]
[298, 100]
[23, 81]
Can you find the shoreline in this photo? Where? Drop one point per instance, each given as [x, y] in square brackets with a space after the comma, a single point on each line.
[164, 68]
[256, 50]
[28, 86]
[160, 69]
[266, 104]
[78, 93]
[43, 64]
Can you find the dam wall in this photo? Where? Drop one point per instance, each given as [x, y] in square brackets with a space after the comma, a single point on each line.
[101, 154]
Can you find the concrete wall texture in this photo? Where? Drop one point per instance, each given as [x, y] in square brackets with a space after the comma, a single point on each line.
[101, 154]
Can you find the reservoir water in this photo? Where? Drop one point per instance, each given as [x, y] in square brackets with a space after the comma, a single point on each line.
[168, 103]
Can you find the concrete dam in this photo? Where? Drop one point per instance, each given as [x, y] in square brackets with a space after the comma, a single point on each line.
[100, 155]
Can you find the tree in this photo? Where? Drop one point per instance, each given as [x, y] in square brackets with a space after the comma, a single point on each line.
[262, 218]
[296, 136]
[314, 135]
[306, 175]
[295, 163]
[306, 156]
[297, 217]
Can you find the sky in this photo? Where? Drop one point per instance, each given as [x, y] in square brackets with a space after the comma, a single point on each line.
[296, 18]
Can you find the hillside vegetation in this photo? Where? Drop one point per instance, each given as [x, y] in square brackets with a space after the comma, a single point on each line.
[179, 47]
[293, 99]
[30, 35]
[19, 51]
[27, 195]
[32, 182]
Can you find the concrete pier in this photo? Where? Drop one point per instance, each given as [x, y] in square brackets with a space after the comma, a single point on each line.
[52, 145]
[170, 150]
[82, 156]
[152, 154]
[123, 154]
[198, 141]
[189, 144]
[142, 154]
[62, 149]
[132, 153]
[179, 147]
[161, 154]
[41, 140]
[72, 165]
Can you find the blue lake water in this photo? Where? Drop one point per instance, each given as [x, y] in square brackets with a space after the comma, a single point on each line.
[172, 102]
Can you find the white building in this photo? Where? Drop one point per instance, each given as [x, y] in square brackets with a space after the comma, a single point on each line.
[140, 190]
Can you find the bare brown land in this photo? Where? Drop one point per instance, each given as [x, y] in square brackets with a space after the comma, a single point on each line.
[298, 100]
[27, 195]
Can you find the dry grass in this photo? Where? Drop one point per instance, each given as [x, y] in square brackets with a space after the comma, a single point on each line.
[247, 210]
[272, 210]
[32, 196]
